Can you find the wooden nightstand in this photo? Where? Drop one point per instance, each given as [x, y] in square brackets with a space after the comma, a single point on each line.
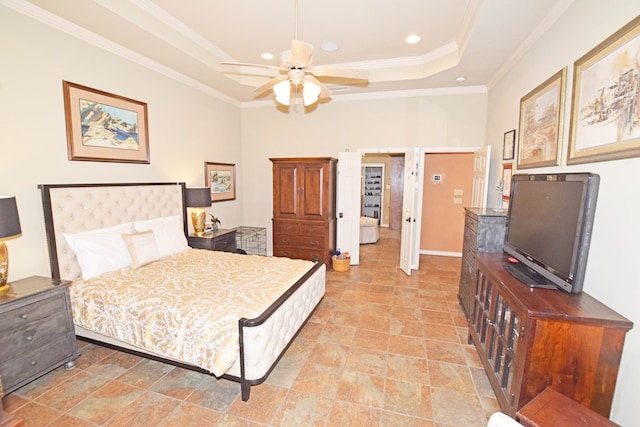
[36, 331]
[219, 240]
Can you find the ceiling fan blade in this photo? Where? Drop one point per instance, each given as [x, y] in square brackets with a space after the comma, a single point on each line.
[242, 64]
[271, 83]
[324, 91]
[347, 73]
[300, 53]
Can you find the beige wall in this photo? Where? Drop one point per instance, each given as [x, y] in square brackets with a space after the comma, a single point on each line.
[437, 120]
[443, 201]
[186, 128]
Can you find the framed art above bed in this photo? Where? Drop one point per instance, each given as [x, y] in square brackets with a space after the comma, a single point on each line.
[104, 127]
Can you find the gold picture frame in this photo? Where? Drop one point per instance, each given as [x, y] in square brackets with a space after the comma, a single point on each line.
[605, 103]
[221, 179]
[103, 127]
[541, 117]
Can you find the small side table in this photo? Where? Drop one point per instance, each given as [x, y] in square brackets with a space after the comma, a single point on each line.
[219, 240]
[36, 330]
[553, 409]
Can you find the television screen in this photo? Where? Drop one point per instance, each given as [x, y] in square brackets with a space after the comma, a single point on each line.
[549, 227]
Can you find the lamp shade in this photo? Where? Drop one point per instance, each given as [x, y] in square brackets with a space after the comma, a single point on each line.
[198, 197]
[9, 219]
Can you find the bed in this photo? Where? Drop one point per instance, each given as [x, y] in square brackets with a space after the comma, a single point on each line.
[257, 331]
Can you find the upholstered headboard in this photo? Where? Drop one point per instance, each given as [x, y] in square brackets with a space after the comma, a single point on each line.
[74, 208]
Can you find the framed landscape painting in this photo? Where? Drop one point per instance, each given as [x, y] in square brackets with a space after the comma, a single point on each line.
[541, 117]
[221, 178]
[605, 107]
[104, 127]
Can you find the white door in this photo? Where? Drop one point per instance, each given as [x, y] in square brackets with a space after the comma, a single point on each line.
[348, 204]
[481, 161]
[408, 216]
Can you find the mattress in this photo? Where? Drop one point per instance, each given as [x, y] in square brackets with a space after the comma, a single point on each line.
[185, 306]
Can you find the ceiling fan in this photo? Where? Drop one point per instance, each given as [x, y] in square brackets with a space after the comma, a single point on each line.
[297, 75]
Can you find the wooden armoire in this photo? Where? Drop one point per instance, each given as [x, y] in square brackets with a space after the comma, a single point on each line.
[304, 208]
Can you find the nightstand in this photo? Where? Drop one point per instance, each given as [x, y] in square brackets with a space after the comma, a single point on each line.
[219, 240]
[36, 331]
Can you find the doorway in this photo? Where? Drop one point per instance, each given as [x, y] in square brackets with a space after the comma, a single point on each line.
[392, 181]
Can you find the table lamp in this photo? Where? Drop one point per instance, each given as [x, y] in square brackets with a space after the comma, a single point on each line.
[198, 198]
[9, 227]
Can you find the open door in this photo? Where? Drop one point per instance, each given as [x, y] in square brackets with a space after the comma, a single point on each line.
[481, 161]
[408, 209]
[348, 204]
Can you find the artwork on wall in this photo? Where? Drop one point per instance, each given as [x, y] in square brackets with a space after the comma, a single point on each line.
[605, 107]
[104, 127]
[507, 172]
[541, 117]
[221, 178]
[508, 145]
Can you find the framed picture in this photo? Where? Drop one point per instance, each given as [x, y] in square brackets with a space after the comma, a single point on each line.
[104, 127]
[221, 178]
[605, 104]
[507, 172]
[508, 145]
[541, 117]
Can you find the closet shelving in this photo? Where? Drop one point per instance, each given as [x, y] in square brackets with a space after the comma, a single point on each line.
[372, 191]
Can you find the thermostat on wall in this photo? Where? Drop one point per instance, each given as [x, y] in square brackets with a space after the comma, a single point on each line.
[436, 178]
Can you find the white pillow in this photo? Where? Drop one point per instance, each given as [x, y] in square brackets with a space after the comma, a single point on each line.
[100, 251]
[142, 248]
[169, 233]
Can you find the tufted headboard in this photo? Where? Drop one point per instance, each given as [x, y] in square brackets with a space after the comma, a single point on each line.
[73, 208]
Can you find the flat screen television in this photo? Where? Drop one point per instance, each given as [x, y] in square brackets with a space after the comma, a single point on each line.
[548, 230]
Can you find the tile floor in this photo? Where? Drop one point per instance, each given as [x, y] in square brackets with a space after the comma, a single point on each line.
[382, 349]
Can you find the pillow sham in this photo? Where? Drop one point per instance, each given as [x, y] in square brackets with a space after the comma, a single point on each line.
[142, 248]
[168, 231]
[102, 250]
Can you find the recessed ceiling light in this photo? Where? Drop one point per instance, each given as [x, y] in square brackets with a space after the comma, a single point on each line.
[460, 79]
[412, 39]
[267, 56]
[329, 46]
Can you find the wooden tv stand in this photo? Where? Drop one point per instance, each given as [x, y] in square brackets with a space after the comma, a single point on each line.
[530, 339]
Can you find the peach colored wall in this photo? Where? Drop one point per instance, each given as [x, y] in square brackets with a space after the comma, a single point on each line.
[444, 200]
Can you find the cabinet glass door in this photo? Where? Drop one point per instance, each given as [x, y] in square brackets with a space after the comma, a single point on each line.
[505, 335]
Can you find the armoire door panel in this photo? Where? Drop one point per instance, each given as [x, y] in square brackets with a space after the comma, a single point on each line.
[313, 191]
[287, 191]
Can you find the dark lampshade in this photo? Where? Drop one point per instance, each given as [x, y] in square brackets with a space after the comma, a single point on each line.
[9, 219]
[198, 197]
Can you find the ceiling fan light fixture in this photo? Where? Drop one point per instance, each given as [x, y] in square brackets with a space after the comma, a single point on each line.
[310, 92]
[282, 91]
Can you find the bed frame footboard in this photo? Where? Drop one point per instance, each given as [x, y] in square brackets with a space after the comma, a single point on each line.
[260, 351]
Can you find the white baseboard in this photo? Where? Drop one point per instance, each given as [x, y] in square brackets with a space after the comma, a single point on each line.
[440, 253]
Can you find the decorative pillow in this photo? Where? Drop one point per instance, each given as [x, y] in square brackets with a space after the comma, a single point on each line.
[168, 231]
[102, 250]
[142, 248]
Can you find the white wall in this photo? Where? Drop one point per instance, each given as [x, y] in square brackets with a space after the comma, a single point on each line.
[612, 274]
[186, 128]
[453, 120]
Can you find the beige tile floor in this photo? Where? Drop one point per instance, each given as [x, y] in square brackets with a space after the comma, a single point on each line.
[382, 349]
